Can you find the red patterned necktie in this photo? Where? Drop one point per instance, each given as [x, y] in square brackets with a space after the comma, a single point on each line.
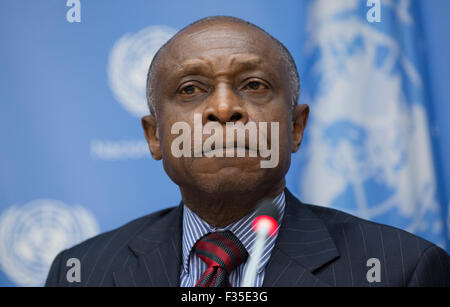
[222, 252]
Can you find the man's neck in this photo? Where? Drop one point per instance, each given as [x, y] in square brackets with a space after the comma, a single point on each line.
[222, 209]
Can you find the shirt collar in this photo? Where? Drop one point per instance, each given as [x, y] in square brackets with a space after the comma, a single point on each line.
[194, 228]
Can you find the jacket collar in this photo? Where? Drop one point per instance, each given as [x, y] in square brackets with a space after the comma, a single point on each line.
[303, 246]
[157, 251]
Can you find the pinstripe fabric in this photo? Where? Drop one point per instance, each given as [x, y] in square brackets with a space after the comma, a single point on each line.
[194, 228]
[315, 247]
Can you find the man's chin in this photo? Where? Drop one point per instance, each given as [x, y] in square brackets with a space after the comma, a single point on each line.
[228, 180]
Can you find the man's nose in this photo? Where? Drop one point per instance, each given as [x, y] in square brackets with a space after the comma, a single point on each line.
[225, 106]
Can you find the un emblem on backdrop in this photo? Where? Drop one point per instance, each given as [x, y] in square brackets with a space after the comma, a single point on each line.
[32, 235]
[369, 149]
[129, 61]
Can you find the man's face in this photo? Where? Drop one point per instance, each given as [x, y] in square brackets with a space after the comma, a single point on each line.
[225, 72]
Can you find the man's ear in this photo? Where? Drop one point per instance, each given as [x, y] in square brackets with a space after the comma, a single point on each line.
[151, 135]
[299, 119]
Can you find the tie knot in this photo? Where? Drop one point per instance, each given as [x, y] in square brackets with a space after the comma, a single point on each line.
[221, 249]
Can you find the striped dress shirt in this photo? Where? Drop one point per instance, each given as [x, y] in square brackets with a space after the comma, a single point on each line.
[194, 228]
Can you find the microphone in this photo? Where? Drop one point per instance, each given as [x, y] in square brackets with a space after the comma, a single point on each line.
[265, 224]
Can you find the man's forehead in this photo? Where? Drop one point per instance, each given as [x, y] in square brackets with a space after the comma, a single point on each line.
[235, 61]
[233, 40]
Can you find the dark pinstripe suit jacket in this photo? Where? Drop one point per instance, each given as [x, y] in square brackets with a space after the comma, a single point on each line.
[316, 246]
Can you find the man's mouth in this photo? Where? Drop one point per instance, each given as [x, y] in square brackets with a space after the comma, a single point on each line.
[230, 150]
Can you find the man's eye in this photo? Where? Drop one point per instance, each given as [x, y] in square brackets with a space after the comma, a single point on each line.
[255, 86]
[189, 90]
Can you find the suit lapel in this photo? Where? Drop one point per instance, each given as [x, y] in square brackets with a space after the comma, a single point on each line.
[303, 245]
[158, 254]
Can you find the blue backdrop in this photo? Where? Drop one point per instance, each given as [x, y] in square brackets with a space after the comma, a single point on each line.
[73, 160]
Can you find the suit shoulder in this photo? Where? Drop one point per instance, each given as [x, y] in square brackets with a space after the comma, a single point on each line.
[335, 219]
[343, 226]
[405, 258]
[125, 232]
[102, 252]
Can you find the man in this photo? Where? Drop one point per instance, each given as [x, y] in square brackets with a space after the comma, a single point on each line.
[224, 70]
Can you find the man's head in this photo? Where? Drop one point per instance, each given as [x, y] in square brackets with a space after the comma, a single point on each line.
[227, 70]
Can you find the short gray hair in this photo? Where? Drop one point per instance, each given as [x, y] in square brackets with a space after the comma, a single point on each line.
[285, 55]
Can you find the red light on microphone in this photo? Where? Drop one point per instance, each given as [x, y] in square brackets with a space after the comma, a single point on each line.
[267, 221]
